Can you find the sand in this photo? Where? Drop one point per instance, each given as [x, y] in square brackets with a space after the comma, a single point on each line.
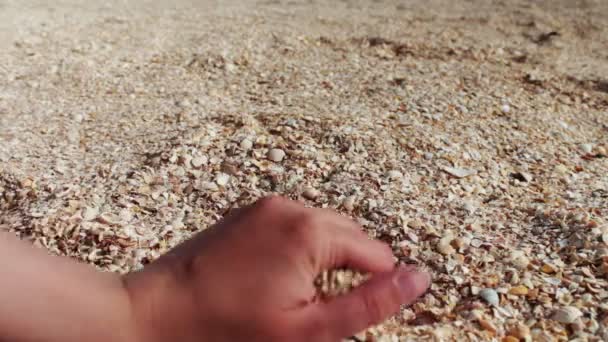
[469, 135]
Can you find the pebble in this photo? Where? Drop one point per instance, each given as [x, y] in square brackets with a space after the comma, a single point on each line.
[276, 154]
[520, 290]
[349, 203]
[444, 245]
[230, 67]
[520, 331]
[560, 168]
[519, 259]
[505, 108]
[460, 242]
[487, 325]
[567, 314]
[476, 243]
[229, 168]
[490, 296]
[394, 174]
[587, 148]
[246, 144]
[469, 207]
[108, 219]
[310, 193]
[90, 213]
[548, 268]
[415, 223]
[27, 183]
[428, 155]
[209, 186]
[459, 172]
[184, 103]
[521, 262]
[198, 161]
[222, 179]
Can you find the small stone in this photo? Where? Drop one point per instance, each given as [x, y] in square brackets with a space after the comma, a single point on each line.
[415, 223]
[521, 262]
[229, 168]
[519, 259]
[520, 290]
[490, 296]
[439, 333]
[428, 155]
[476, 243]
[184, 103]
[459, 243]
[520, 331]
[209, 186]
[510, 338]
[459, 172]
[349, 203]
[567, 315]
[222, 179]
[561, 169]
[276, 154]
[310, 193]
[601, 150]
[108, 219]
[587, 148]
[246, 144]
[394, 174]
[444, 245]
[198, 161]
[548, 268]
[27, 183]
[90, 213]
[230, 67]
[487, 325]
[505, 108]
[469, 207]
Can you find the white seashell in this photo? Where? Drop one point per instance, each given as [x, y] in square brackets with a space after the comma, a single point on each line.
[198, 161]
[394, 174]
[459, 172]
[490, 296]
[246, 144]
[567, 314]
[276, 155]
[222, 179]
[90, 213]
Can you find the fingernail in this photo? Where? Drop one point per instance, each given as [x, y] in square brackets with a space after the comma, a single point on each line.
[412, 284]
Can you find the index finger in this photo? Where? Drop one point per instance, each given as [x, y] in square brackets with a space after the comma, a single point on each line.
[351, 247]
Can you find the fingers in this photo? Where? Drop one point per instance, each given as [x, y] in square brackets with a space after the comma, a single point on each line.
[331, 239]
[349, 246]
[372, 302]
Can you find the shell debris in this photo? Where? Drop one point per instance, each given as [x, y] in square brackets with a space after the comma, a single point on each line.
[478, 152]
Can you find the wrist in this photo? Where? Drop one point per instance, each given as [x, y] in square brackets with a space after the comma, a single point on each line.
[159, 305]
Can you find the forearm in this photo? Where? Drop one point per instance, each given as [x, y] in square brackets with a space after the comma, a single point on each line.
[47, 298]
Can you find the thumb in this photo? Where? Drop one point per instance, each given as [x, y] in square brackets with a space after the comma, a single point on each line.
[374, 301]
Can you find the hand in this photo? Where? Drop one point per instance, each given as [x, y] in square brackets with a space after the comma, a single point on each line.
[251, 277]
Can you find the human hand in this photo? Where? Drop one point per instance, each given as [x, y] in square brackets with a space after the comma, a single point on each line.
[251, 277]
